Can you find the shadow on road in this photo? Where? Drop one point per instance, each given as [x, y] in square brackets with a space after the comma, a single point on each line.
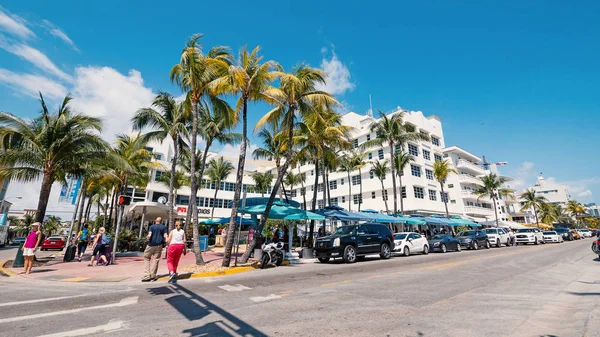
[195, 307]
[583, 294]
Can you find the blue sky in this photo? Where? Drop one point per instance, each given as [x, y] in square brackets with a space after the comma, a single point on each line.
[515, 81]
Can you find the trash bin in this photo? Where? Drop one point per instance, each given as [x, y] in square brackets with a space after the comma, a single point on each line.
[19, 261]
[203, 243]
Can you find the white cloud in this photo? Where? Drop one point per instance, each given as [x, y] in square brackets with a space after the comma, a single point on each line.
[56, 31]
[338, 78]
[524, 176]
[30, 84]
[36, 57]
[14, 24]
[104, 92]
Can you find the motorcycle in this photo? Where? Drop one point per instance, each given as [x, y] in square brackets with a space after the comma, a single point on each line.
[272, 253]
[596, 246]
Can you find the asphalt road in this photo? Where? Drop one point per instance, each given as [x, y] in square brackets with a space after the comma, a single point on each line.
[9, 253]
[545, 290]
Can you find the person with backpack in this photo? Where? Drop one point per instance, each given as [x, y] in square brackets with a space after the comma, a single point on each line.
[82, 239]
[100, 243]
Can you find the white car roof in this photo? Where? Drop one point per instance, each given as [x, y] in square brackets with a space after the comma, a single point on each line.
[406, 233]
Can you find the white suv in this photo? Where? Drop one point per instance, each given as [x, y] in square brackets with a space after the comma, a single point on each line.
[585, 233]
[497, 237]
[529, 235]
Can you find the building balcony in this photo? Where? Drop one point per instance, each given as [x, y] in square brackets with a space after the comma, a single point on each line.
[467, 165]
[478, 211]
[467, 179]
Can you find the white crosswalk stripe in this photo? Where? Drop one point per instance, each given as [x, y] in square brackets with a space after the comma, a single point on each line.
[237, 287]
[265, 298]
[113, 325]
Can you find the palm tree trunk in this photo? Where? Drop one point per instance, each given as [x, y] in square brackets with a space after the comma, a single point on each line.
[387, 210]
[401, 198]
[327, 187]
[106, 206]
[324, 189]
[82, 209]
[171, 199]
[394, 183]
[212, 213]
[537, 223]
[238, 190]
[349, 193]
[194, 183]
[112, 206]
[445, 201]
[47, 182]
[495, 211]
[361, 190]
[88, 209]
[303, 188]
[278, 166]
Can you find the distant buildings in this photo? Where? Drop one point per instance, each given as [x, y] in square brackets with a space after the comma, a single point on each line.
[553, 192]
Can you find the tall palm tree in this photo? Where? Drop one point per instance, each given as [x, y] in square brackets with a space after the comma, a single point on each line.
[194, 74]
[392, 131]
[575, 208]
[48, 147]
[401, 161]
[249, 78]
[381, 169]
[547, 213]
[292, 180]
[271, 150]
[441, 171]
[360, 162]
[262, 181]
[218, 170]
[297, 93]
[492, 188]
[560, 214]
[167, 118]
[531, 200]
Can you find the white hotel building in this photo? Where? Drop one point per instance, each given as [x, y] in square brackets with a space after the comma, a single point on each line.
[421, 192]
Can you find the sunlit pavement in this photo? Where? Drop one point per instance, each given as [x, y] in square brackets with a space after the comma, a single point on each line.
[540, 290]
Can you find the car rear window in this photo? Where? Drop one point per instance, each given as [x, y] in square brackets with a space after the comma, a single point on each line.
[490, 231]
[525, 230]
[55, 239]
[400, 236]
[466, 233]
[549, 233]
[345, 230]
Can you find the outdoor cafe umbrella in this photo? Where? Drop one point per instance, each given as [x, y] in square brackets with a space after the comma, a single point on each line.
[283, 211]
[341, 214]
[463, 222]
[225, 220]
[382, 218]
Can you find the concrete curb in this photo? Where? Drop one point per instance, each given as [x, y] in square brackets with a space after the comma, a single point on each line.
[232, 271]
[5, 272]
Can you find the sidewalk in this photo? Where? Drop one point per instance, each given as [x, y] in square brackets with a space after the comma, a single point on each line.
[125, 268]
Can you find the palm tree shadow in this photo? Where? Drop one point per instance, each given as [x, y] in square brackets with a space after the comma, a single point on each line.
[194, 307]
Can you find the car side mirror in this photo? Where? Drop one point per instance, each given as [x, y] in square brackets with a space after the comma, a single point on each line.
[409, 239]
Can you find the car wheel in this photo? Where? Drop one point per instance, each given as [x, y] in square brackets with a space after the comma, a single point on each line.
[443, 248]
[406, 251]
[323, 259]
[385, 253]
[458, 247]
[475, 245]
[349, 254]
[426, 249]
[487, 245]
[536, 242]
[498, 244]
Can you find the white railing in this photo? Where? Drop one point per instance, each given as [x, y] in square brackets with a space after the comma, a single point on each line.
[469, 179]
[478, 210]
[469, 165]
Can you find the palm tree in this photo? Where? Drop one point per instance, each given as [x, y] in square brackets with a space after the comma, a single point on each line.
[347, 165]
[560, 214]
[193, 74]
[531, 200]
[575, 208]
[547, 213]
[272, 149]
[401, 160]
[392, 131]
[297, 93]
[381, 170]
[48, 147]
[262, 181]
[441, 171]
[52, 225]
[217, 171]
[292, 180]
[249, 78]
[360, 161]
[492, 188]
[170, 119]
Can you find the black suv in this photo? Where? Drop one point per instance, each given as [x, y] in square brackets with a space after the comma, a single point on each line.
[565, 233]
[353, 242]
[473, 239]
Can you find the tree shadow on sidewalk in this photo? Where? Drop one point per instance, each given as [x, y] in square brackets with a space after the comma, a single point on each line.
[195, 307]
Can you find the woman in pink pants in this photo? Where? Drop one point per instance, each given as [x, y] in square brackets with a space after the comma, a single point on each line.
[176, 247]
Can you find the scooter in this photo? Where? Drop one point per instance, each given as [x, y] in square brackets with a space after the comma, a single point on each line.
[271, 253]
[596, 246]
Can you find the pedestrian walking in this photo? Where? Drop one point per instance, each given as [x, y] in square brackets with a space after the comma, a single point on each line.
[99, 247]
[157, 236]
[82, 239]
[33, 240]
[511, 235]
[176, 247]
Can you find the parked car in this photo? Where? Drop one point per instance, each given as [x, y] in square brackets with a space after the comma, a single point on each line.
[529, 235]
[408, 243]
[353, 242]
[498, 236]
[575, 234]
[553, 236]
[585, 233]
[443, 243]
[565, 233]
[54, 242]
[473, 239]
[18, 241]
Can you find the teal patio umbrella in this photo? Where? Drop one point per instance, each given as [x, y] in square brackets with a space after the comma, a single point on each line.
[282, 211]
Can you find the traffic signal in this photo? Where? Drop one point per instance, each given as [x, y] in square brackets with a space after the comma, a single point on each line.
[124, 200]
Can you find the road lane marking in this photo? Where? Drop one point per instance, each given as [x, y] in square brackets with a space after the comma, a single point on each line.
[287, 291]
[40, 300]
[109, 327]
[265, 298]
[76, 279]
[124, 302]
[237, 287]
[334, 283]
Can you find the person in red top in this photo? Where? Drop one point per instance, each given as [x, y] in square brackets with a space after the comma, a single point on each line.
[32, 242]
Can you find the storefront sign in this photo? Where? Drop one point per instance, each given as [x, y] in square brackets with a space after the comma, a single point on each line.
[182, 210]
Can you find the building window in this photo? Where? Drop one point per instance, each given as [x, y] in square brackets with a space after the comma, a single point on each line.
[403, 192]
[333, 201]
[415, 170]
[373, 196]
[444, 197]
[413, 150]
[357, 198]
[369, 136]
[397, 148]
[419, 192]
[303, 191]
[380, 153]
[429, 174]
[450, 185]
[320, 188]
[355, 180]
[385, 194]
[333, 185]
[453, 201]
[343, 200]
[293, 193]
[435, 141]
[371, 174]
[437, 157]
[158, 174]
[312, 172]
[432, 195]
[426, 155]
[319, 203]
[370, 156]
[355, 142]
[342, 181]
